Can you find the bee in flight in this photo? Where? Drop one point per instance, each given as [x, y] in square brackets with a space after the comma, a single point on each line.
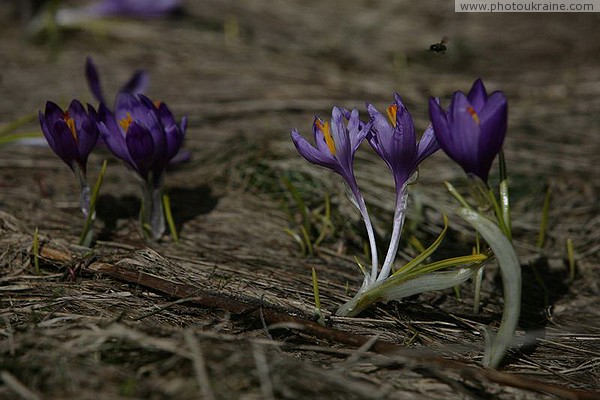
[439, 47]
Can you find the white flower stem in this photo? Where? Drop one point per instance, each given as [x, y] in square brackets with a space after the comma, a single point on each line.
[399, 216]
[371, 235]
[152, 215]
[84, 205]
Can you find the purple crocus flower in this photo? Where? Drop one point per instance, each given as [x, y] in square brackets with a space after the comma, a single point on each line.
[336, 142]
[145, 136]
[141, 133]
[393, 139]
[134, 8]
[71, 134]
[143, 9]
[472, 131]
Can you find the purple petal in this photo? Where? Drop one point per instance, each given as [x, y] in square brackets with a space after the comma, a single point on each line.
[88, 134]
[311, 154]
[340, 136]
[404, 130]
[53, 113]
[465, 130]
[144, 115]
[141, 148]
[319, 137]
[427, 145]
[66, 147]
[493, 125]
[137, 83]
[183, 125]
[46, 131]
[356, 130]
[93, 79]
[136, 8]
[381, 132]
[477, 95]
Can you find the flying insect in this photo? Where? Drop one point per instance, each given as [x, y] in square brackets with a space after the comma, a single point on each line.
[439, 47]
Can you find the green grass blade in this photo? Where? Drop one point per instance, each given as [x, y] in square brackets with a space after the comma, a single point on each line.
[544, 222]
[429, 251]
[169, 216]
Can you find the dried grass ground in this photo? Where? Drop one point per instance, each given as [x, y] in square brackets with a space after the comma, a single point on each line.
[227, 312]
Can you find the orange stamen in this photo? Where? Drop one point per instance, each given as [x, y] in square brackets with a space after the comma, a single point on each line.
[324, 127]
[391, 112]
[157, 103]
[71, 125]
[473, 113]
[125, 122]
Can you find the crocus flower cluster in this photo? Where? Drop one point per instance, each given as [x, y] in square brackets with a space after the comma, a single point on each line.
[471, 132]
[139, 131]
[393, 138]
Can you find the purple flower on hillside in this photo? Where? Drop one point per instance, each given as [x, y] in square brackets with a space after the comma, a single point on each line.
[336, 143]
[393, 137]
[71, 134]
[135, 85]
[141, 133]
[134, 8]
[472, 131]
[145, 135]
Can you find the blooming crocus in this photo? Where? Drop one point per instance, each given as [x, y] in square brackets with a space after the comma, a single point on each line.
[472, 131]
[393, 138]
[72, 134]
[143, 9]
[144, 135]
[336, 142]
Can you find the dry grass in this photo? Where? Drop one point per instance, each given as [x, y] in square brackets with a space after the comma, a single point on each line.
[227, 312]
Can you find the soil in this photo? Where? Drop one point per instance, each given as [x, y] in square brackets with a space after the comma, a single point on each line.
[228, 310]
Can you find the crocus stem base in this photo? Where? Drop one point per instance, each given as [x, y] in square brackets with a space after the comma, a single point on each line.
[152, 217]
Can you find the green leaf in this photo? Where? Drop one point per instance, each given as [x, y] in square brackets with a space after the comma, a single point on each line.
[510, 271]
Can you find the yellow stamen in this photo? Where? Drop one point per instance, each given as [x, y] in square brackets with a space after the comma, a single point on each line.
[125, 122]
[324, 127]
[157, 103]
[473, 113]
[391, 112]
[71, 125]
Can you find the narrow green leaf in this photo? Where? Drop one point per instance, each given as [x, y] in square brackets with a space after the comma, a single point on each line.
[299, 202]
[505, 206]
[544, 222]
[297, 239]
[429, 251]
[510, 271]
[4, 139]
[169, 216]
[307, 241]
[17, 123]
